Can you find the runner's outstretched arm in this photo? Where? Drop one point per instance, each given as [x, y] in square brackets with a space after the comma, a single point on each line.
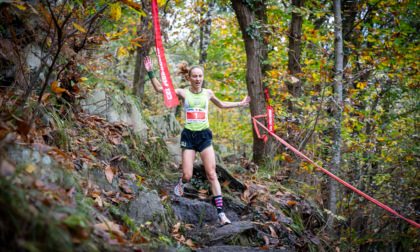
[225, 104]
[148, 64]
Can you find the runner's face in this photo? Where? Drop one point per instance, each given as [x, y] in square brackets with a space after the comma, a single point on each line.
[196, 78]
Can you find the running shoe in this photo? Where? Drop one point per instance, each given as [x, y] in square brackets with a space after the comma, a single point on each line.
[223, 219]
[179, 189]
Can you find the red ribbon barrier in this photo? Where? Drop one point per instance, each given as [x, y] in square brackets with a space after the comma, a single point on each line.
[330, 174]
[270, 124]
[171, 99]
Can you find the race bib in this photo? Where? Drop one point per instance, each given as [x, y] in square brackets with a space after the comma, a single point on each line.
[195, 115]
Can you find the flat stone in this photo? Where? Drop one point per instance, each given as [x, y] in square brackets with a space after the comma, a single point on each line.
[229, 248]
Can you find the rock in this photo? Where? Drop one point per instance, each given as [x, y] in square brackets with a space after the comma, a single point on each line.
[220, 235]
[202, 212]
[46, 168]
[194, 212]
[174, 149]
[222, 174]
[146, 206]
[219, 147]
[98, 175]
[167, 127]
[116, 109]
[229, 248]
[231, 158]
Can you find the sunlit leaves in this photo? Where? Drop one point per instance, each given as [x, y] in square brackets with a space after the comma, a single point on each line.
[78, 27]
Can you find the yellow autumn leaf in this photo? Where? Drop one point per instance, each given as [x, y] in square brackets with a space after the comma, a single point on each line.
[135, 44]
[161, 2]
[30, 168]
[20, 7]
[56, 89]
[116, 11]
[78, 27]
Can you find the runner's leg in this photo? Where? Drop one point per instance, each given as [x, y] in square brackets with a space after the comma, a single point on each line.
[209, 161]
[188, 157]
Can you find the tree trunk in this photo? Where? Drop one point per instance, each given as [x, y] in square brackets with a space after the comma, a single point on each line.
[205, 31]
[293, 65]
[255, 86]
[139, 79]
[337, 111]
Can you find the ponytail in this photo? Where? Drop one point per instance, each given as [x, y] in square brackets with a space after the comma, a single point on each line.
[184, 70]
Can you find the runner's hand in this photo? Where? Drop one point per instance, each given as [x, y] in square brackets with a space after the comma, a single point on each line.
[148, 63]
[245, 101]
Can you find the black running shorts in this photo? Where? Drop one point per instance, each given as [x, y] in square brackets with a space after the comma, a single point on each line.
[196, 140]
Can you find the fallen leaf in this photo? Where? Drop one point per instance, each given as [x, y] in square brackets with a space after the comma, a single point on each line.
[110, 226]
[273, 232]
[30, 168]
[291, 203]
[202, 191]
[109, 174]
[266, 240]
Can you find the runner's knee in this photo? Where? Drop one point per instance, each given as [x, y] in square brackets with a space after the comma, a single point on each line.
[186, 176]
[211, 176]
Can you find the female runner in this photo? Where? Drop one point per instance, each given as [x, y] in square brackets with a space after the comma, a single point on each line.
[196, 135]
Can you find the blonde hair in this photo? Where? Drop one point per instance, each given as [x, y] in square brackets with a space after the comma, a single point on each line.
[184, 70]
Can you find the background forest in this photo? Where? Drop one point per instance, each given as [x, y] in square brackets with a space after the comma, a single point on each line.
[342, 77]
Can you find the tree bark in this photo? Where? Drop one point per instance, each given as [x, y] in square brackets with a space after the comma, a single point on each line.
[205, 31]
[337, 111]
[255, 86]
[139, 79]
[293, 65]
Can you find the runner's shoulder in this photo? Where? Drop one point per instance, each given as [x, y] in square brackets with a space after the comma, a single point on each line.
[180, 92]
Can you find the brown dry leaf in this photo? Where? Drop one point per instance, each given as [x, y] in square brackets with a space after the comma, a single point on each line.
[163, 192]
[189, 243]
[106, 40]
[45, 96]
[266, 240]
[202, 191]
[142, 240]
[273, 217]
[122, 183]
[134, 236]
[291, 203]
[176, 227]
[114, 158]
[133, 5]
[56, 89]
[138, 39]
[288, 159]
[226, 183]
[111, 226]
[273, 232]
[109, 174]
[246, 194]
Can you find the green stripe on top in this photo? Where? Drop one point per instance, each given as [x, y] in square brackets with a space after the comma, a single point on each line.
[196, 110]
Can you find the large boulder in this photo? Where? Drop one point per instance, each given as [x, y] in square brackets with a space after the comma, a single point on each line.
[146, 206]
[202, 212]
[167, 127]
[40, 164]
[115, 109]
